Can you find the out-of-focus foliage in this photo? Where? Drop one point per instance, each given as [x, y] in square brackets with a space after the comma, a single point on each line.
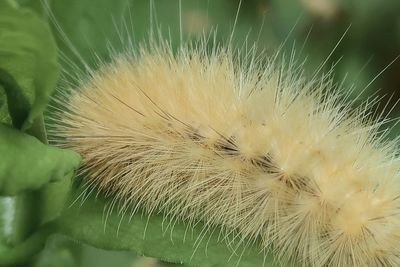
[29, 163]
[31, 171]
[311, 28]
[28, 64]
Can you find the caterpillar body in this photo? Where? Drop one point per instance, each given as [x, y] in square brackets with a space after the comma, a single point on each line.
[249, 145]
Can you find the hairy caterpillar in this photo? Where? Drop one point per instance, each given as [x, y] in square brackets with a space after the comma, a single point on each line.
[248, 145]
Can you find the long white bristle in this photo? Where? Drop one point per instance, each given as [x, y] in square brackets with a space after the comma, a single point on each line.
[249, 146]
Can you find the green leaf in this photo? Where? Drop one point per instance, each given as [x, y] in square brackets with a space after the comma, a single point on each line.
[60, 252]
[90, 222]
[30, 164]
[28, 73]
[34, 5]
[28, 63]
[4, 116]
[43, 174]
[22, 252]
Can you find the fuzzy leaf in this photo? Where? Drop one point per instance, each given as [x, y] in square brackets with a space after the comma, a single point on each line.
[4, 116]
[28, 64]
[22, 252]
[39, 175]
[91, 223]
[28, 164]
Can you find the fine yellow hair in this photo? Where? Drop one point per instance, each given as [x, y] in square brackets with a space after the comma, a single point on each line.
[245, 144]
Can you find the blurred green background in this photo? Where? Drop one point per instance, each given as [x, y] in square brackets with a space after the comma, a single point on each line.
[312, 28]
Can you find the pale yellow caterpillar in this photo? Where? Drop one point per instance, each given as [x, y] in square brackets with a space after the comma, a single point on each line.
[244, 143]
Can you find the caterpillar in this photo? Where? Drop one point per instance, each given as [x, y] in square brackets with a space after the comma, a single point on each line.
[247, 143]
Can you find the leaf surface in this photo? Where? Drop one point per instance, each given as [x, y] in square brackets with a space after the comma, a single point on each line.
[28, 64]
[92, 222]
